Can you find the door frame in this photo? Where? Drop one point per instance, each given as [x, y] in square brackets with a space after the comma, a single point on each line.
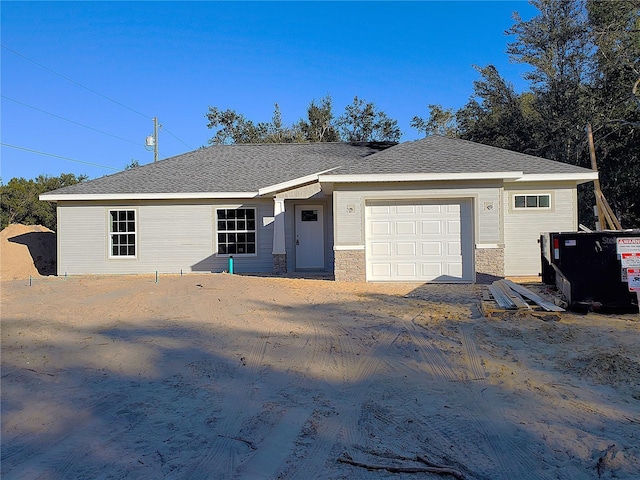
[298, 208]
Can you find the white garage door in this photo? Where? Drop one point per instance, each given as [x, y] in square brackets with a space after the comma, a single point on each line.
[430, 241]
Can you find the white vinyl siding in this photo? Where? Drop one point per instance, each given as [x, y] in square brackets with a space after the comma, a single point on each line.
[349, 206]
[171, 237]
[523, 226]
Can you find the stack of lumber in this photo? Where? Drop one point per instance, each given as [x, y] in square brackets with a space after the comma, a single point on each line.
[505, 296]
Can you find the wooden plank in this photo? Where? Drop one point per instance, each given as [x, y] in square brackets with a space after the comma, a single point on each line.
[513, 296]
[501, 298]
[538, 300]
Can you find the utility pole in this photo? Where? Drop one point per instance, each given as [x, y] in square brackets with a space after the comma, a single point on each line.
[152, 140]
[155, 138]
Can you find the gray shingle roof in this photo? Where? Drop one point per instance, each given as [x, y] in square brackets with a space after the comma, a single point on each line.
[248, 168]
[226, 168]
[437, 154]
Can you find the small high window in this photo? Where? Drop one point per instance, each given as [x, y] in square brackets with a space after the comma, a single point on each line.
[122, 233]
[236, 231]
[532, 201]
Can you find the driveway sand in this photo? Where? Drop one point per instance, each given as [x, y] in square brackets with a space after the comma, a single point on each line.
[227, 376]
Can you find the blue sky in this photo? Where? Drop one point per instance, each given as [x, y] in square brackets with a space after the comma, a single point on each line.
[83, 80]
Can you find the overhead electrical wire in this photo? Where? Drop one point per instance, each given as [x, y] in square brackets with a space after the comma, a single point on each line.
[76, 83]
[70, 121]
[177, 138]
[90, 90]
[57, 156]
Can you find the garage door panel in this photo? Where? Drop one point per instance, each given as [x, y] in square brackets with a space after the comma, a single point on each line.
[430, 209]
[431, 270]
[382, 249]
[406, 228]
[419, 241]
[381, 270]
[454, 249]
[406, 270]
[381, 228]
[379, 210]
[454, 269]
[431, 227]
[431, 248]
[406, 249]
[453, 208]
[453, 227]
[405, 209]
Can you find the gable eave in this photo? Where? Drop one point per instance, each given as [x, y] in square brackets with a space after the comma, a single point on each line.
[295, 183]
[144, 196]
[419, 177]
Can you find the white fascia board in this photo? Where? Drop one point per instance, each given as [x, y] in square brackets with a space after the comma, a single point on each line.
[581, 177]
[296, 182]
[420, 177]
[144, 196]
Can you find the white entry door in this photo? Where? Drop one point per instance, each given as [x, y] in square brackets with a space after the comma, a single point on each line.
[309, 236]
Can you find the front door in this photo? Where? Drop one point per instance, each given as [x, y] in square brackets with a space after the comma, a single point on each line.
[309, 232]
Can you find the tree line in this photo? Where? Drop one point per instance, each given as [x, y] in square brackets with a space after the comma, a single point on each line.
[360, 122]
[20, 203]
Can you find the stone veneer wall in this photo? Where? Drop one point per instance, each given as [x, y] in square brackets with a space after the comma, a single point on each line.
[489, 263]
[279, 263]
[349, 266]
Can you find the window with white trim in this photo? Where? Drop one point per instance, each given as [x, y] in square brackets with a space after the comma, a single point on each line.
[122, 233]
[532, 201]
[236, 229]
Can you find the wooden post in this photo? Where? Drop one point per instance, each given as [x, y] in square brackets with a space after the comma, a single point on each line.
[605, 213]
[596, 182]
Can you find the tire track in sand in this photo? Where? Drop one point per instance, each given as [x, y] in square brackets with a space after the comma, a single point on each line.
[328, 426]
[220, 461]
[487, 416]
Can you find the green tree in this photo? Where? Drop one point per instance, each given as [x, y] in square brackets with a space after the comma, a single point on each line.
[362, 122]
[235, 128]
[496, 115]
[320, 123]
[20, 204]
[557, 45]
[132, 164]
[441, 121]
[277, 132]
[614, 107]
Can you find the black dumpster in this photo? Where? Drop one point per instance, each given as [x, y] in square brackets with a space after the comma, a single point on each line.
[586, 268]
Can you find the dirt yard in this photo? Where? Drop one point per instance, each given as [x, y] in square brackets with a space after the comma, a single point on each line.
[224, 376]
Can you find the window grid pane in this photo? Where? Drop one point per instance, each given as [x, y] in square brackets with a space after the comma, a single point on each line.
[543, 201]
[122, 226]
[532, 201]
[236, 231]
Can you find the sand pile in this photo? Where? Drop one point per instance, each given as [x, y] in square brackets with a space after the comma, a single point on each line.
[27, 250]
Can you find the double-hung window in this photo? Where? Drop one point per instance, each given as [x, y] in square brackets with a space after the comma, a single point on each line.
[236, 229]
[122, 233]
[532, 201]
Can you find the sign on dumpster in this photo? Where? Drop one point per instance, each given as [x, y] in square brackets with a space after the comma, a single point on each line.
[630, 259]
[633, 278]
[627, 245]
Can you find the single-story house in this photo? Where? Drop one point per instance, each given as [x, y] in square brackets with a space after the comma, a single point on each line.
[431, 210]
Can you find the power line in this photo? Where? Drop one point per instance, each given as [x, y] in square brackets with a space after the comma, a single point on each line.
[74, 82]
[70, 121]
[179, 139]
[58, 156]
[90, 90]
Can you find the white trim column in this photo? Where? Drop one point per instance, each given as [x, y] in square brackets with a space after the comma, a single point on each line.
[279, 247]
